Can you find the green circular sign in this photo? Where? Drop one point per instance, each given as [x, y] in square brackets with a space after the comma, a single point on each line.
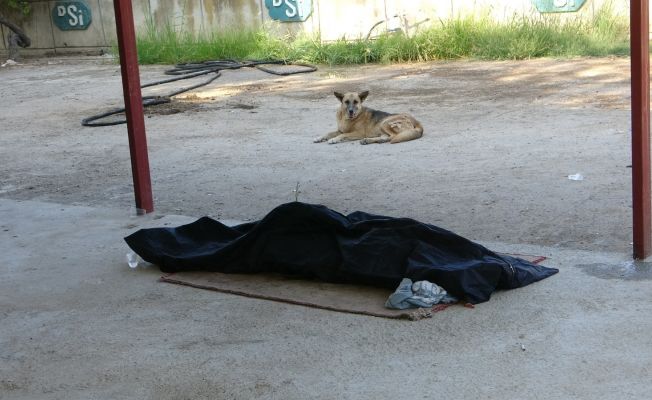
[558, 6]
[71, 15]
[289, 10]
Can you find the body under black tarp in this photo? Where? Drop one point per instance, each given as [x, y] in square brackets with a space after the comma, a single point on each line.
[315, 242]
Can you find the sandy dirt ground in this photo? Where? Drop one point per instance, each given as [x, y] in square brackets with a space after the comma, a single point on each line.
[500, 140]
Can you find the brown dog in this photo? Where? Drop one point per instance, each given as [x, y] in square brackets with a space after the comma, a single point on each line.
[356, 122]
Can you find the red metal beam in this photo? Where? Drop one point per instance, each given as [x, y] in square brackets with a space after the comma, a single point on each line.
[640, 67]
[124, 20]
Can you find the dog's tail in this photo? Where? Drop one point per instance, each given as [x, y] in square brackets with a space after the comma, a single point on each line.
[409, 134]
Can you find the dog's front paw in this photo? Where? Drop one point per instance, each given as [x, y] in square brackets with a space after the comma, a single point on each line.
[333, 141]
[319, 139]
[364, 141]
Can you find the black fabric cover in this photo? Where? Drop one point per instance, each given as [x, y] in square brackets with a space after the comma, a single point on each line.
[314, 242]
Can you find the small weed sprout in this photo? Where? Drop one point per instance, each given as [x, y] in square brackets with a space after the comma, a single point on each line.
[296, 192]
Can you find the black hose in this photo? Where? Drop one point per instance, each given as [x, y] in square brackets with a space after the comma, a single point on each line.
[192, 70]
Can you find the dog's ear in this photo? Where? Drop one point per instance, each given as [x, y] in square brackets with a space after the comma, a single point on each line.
[363, 95]
[339, 95]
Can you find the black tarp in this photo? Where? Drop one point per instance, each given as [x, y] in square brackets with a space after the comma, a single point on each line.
[315, 242]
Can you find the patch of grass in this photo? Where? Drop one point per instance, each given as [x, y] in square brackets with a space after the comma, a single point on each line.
[477, 37]
[167, 45]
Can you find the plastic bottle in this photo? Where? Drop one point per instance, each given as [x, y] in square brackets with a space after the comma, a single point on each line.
[133, 259]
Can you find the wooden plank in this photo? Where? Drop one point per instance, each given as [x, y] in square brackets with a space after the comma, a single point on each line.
[640, 68]
[124, 20]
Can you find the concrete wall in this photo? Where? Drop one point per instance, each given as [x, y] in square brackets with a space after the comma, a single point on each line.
[333, 18]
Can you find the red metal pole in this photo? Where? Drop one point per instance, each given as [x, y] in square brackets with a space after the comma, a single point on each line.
[124, 21]
[640, 64]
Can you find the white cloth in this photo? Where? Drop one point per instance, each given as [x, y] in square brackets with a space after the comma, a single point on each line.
[420, 294]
